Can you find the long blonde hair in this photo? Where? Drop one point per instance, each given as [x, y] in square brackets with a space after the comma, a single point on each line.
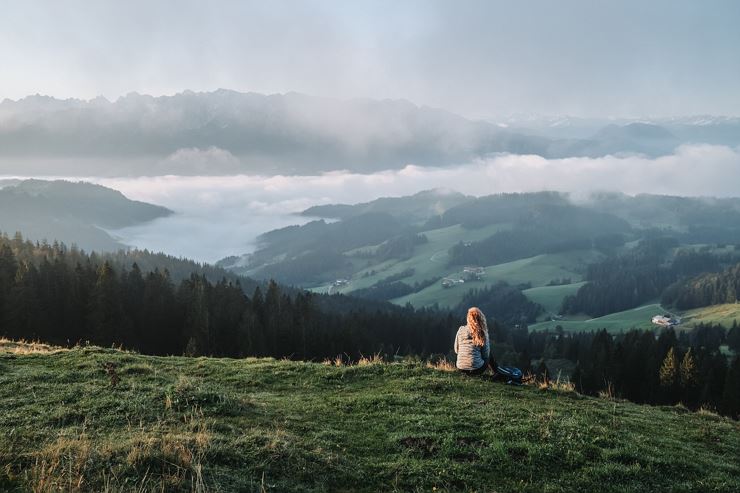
[477, 325]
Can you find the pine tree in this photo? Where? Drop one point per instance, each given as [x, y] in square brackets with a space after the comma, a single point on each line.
[733, 337]
[8, 269]
[670, 375]
[162, 316]
[688, 371]
[273, 321]
[197, 324]
[714, 381]
[24, 310]
[731, 395]
[106, 315]
[689, 375]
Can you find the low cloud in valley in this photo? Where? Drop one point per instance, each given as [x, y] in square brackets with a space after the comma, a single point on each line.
[219, 216]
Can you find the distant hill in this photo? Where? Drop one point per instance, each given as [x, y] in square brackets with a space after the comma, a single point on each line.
[709, 129]
[228, 132]
[646, 138]
[110, 420]
[71, 212]
[415, 207]
[609, 251]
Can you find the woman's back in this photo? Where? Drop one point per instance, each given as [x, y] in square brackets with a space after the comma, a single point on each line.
[469, 355]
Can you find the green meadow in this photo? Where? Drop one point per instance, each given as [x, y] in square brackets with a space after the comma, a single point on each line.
[429, 259]
[551, 297]
[537, 271]
[717, 314]
[92, 419]
[640, 318]
[635, 318]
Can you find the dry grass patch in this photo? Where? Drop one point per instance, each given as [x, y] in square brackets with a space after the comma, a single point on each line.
[442, 364]
[374, 359]
[62, 465]
[27, 347]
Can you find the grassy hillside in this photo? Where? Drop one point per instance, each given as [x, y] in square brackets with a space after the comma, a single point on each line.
[635, 318]
[551, 297]
[264, 425]
[429, 259]
[718, 314]
[538, 270]
[638, 318]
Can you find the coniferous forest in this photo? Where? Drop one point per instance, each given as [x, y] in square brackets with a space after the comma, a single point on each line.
[711, 288]
[65, 296]
[621, 282]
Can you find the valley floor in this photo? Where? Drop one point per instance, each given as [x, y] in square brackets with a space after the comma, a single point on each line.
[175, 423]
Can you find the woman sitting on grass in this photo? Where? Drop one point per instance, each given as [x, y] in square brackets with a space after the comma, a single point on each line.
[472, 345]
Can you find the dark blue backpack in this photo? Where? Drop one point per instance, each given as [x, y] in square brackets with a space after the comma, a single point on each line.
[511, 374]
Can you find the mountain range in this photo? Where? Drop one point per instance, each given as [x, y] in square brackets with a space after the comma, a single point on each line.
[228, 132]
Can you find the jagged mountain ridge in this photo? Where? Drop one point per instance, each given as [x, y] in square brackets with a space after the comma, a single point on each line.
[232, 132]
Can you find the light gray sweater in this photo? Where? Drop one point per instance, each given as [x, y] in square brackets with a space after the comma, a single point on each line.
[470, 356]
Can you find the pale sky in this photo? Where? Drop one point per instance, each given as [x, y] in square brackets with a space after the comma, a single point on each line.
[477, 58]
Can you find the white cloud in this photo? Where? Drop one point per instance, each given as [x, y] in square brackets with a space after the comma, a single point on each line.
[193, 161]
[222, 215]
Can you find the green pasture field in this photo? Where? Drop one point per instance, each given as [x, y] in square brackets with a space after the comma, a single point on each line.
[260, 425]
[538, 270]
[636, 318]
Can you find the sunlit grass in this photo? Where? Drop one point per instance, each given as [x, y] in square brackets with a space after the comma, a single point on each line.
[212, 424]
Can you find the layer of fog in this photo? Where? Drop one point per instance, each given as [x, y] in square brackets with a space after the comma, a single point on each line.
[221, 216]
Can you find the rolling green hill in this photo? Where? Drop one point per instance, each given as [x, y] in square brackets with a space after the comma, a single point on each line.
[428, 260]
[637, 318]
[640, 317]
[428, 250]
[71, 212]
[551, 297]
[184, 424]
[538, 270]
[717, 314]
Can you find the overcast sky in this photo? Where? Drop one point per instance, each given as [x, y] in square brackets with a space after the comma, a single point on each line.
[477, 58]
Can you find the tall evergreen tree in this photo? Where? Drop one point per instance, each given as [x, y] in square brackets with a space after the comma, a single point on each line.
[106, 316]
[733, 337]
[731, 394]
[8, 269]
[197, 324]
[689, 376]
[713, 385]
[670, 376]
[24, 312]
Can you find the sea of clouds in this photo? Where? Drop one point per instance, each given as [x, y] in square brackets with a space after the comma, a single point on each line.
[218, 216]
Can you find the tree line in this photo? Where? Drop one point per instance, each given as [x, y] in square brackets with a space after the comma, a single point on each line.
[504, 302]
[667, 368]
[52, 293]
[644, 273]
[61, 296]
[713, 288]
